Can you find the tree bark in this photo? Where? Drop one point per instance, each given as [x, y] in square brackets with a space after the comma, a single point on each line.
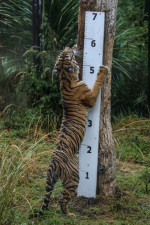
[37, 20]
[107, 158]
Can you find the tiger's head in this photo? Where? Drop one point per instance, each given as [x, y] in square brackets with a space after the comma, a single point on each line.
[66, 61]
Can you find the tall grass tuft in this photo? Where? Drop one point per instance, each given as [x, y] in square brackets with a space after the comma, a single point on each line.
[14, 166]
[18, 162]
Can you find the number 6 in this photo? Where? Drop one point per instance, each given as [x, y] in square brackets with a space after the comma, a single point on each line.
[93, 44]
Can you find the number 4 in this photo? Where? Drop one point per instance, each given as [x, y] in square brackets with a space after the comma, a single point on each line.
[95, 15]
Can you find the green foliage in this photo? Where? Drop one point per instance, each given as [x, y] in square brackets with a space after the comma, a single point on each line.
[129, 81]
[21, 122]
[42, 86]
[63, 19]
[59, 28]
[16, 32]
[132, 139]
[16, 18]
[15, 39]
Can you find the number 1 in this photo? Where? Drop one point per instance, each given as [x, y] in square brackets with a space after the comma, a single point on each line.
[87, 175]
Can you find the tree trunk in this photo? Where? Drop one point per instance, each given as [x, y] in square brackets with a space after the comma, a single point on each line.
[37, 20]
[106, 160]
[37, 17]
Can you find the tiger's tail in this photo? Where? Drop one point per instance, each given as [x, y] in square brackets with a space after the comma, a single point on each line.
[52, 177]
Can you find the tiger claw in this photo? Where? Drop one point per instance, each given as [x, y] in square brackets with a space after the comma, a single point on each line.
[104, 69]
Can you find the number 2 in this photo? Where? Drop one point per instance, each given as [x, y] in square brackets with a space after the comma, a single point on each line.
[95, 15]
[89, 151]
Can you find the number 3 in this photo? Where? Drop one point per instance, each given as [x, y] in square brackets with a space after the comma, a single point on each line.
[90, 123]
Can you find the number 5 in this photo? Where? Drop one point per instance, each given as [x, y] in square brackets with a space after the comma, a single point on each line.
[92, 69]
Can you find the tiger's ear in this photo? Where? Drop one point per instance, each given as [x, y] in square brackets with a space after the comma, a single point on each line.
[71, 69]
[54, 70]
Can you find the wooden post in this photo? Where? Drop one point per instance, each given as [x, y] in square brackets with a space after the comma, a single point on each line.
[106, 160]
[37, 20]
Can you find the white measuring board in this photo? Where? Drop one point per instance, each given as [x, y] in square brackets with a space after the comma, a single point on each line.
[92, 59]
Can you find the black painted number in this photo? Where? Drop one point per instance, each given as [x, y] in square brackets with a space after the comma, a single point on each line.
[87, 176]
[89, 123]
[91, 69]
[95, 15]
[89, 151]
[93, 43]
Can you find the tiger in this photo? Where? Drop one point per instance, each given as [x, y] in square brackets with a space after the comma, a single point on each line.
[77, 97]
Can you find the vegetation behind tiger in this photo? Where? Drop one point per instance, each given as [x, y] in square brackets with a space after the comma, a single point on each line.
[31, 113]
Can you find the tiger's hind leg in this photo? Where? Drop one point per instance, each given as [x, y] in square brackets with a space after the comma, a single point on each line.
[69, 191]
[51, 181]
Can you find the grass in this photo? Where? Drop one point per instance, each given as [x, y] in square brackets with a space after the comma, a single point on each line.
[132, 138]
[23, 163]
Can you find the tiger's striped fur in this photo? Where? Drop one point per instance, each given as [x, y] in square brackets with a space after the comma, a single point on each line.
[77, 97]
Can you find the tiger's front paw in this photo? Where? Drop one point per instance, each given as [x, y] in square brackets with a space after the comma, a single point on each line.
[104, 69]
[103, 72]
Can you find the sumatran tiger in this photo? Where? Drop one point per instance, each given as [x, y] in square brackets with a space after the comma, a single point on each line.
[77, 97]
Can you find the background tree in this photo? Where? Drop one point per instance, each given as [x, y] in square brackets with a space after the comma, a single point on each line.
[37, 21]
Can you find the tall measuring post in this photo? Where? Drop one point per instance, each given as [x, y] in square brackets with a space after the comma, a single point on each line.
[92, 60]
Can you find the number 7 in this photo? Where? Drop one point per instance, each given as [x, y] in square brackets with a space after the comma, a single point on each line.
[95, 15]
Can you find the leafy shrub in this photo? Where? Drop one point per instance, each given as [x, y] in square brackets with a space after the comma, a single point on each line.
[43, 88]
[129, 81]
[14, 165]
